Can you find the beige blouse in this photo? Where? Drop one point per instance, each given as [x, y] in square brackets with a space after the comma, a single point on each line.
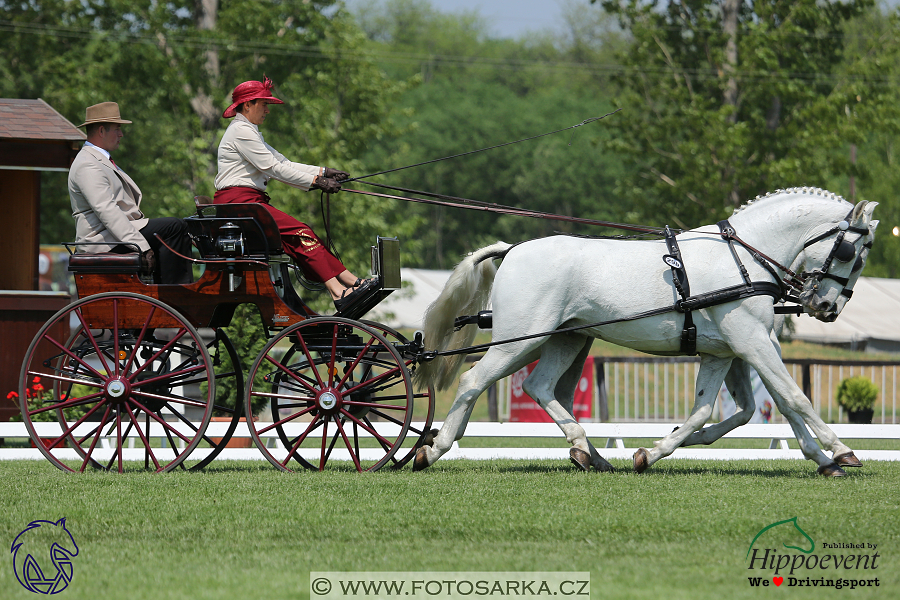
[246, 160]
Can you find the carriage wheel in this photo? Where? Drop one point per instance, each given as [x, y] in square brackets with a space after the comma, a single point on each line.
[423, 413]
[117, 394]
[339, 391]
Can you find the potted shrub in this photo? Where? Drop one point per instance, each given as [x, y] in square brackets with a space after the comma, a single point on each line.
[857, 396]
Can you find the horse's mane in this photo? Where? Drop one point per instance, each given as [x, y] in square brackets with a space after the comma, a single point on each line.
[810, 191]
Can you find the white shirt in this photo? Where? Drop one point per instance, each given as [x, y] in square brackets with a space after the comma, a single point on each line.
[246, 160]
[104, 151]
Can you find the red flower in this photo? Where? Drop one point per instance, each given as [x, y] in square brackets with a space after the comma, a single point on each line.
[12, 395]
[37, 387]
[36, 380]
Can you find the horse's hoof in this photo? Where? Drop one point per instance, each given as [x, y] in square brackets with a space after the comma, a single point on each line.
[641, 460]
[831, 470]
[428, 440]
[420, 462]
[580, 458]
[847, 459]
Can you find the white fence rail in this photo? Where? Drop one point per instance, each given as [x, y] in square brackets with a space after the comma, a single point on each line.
[611, 435]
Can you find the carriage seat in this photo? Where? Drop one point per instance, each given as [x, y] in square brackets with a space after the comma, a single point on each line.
[106, 262]
[258, 228]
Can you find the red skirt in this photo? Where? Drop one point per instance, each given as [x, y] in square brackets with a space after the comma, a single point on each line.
[298, 239]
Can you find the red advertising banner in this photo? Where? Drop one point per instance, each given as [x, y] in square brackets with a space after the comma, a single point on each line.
[523, 409]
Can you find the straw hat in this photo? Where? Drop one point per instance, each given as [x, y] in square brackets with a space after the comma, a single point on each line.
[105, 112]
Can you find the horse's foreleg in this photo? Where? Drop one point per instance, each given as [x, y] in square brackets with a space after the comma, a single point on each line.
[738, 382]
[787, 395]
[709, 380]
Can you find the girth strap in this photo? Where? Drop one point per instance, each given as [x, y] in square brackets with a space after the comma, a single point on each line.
[683, 286]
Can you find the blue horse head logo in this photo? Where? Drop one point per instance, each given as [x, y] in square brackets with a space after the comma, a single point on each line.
[30, 549]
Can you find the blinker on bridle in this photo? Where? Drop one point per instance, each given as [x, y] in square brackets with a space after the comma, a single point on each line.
[841, 251]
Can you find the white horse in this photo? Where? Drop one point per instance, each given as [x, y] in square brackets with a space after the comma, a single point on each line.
[562, 282]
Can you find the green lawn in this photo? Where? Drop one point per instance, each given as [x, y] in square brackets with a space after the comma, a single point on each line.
[243, 530]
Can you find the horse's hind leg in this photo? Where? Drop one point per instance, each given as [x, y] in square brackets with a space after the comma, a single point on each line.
[709, 380]
[498, 362]
[565, 394]
[562, 355]
[738, 382]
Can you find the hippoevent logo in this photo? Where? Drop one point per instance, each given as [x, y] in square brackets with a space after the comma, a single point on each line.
[42, 556]
[784, 554]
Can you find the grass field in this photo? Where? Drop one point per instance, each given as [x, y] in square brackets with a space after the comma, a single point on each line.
[243, 530]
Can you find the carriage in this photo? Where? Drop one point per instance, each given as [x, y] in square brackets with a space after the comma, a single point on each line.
[146, 367]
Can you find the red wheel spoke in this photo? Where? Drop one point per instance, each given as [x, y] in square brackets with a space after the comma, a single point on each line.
[170, 376]
[331, 369]
[87, 334]
[71, 428]
[309, 361]
[363, 425]
[284, 396]
[115, 336]
[68, 353]
[383, 445]
[312, 425]
[173, 398]
[291, 374]
[143, 438]
[324, 437]
[355, 362]
[369, 382]
[140, 339]
[90, 451]
[347, 442]
[285, 420]
[161, 351]
[156, 418]
[374, 405]
[119, 432]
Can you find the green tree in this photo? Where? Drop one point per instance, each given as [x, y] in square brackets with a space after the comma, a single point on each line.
[171, 67]
[726, 99]
[477, 91]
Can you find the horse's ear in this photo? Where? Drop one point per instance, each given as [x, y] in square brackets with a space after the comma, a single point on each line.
[873, 225]
[870, 208]
[858, 211]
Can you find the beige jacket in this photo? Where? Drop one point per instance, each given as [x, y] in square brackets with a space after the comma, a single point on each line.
[246, 160]
[105, 203]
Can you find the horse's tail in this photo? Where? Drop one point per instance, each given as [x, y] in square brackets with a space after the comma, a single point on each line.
[467, 292]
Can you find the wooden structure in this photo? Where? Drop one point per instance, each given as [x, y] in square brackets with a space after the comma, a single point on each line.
[33, 138]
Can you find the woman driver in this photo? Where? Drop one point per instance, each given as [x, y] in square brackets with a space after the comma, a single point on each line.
[247, 163]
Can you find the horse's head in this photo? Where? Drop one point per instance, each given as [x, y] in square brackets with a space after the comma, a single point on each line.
[833, 260]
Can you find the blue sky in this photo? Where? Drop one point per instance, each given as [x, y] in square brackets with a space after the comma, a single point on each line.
[510, 18]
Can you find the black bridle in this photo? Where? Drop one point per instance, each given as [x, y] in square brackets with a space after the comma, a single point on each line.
[842, 251]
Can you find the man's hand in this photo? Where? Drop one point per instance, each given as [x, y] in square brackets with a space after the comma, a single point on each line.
[329, 186]
[148, 262]
[336, 175]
